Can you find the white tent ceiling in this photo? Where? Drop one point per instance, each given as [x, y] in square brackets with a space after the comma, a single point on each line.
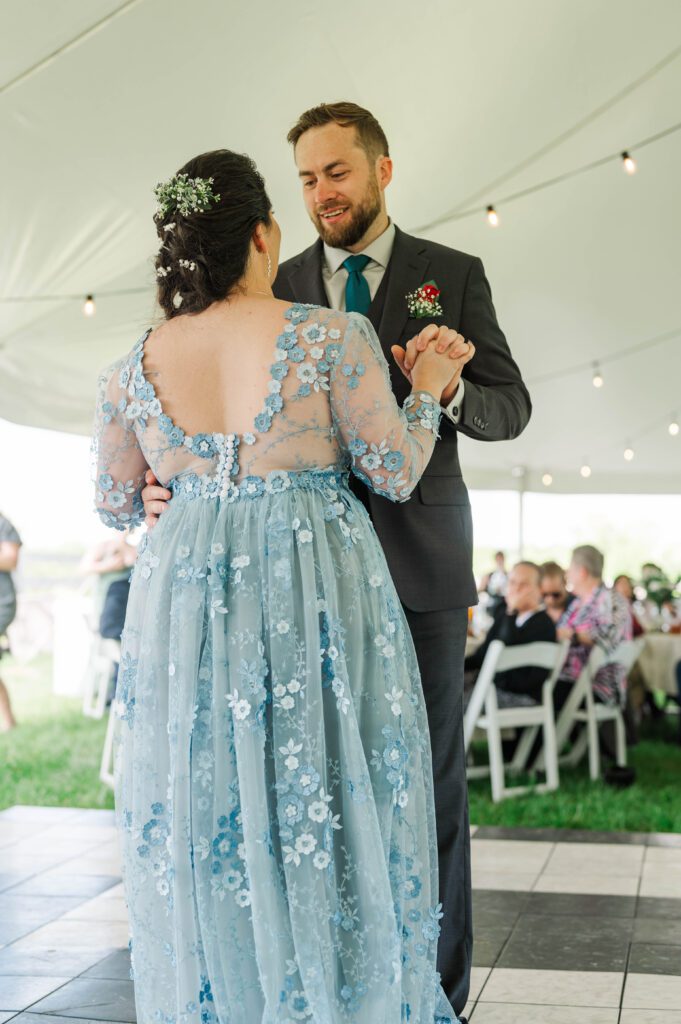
[480, 99]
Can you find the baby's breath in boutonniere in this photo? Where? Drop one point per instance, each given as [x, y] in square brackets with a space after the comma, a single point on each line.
[424, 301]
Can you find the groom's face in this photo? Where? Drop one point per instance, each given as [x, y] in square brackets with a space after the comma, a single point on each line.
[342, 187]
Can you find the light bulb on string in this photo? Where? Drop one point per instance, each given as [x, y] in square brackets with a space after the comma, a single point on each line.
[673, 427]
[89, 307]
[547, 479]
[585, 470]
[628, 163]
[628, 453]
[597, 379]
[492, 217]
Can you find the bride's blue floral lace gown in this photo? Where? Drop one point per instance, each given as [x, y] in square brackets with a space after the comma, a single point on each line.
[273, 776]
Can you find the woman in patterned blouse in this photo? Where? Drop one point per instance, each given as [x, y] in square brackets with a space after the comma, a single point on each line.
[598, 616]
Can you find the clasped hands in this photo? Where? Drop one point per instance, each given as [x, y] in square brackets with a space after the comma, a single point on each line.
[434, 359]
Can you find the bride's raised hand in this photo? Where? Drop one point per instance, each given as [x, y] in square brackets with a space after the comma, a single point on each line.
[446, 341]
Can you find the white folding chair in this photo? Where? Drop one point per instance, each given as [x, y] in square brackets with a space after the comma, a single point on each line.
[493, 719]
[104, 655]
[106, 767]
[582, 708]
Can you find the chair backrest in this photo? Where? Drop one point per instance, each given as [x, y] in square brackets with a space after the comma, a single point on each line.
[625, 654]
[500, 658]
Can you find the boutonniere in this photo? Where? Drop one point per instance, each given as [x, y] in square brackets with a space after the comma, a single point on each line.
[424, 301]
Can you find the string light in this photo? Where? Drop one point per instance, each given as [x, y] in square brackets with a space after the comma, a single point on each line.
[673, 427]
[492, 217]
[89, 307]
[586, 471]
[628, 163]
[547, 479]
[628, 453]
[597, 379]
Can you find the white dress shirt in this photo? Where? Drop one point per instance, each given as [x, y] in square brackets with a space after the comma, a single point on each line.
[379, 251]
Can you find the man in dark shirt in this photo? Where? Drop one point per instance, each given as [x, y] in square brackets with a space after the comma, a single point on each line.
[521, 620]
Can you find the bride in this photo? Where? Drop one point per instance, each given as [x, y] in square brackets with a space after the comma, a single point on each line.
[273, 775]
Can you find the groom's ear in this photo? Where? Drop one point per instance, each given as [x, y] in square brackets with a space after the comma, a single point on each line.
[384, 171]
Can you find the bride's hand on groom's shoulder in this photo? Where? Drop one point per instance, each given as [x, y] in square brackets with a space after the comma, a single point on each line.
[442, 343]
[155, 498]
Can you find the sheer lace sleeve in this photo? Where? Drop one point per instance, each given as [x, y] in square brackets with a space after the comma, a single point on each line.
[117, 460]
[389, 447]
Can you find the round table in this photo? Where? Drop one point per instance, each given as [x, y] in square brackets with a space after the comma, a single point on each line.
[658, 660]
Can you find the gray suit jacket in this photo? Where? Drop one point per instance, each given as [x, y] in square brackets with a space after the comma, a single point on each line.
[428, 540]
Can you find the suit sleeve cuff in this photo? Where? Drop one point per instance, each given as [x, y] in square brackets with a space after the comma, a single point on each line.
[454, 409]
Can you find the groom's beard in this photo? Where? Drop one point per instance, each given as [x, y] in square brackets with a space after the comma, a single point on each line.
[353, 231]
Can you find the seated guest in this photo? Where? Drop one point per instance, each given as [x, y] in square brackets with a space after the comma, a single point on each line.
[598, 616]
[521, 620]
[494, 584]
[624, 586]
[555, 594]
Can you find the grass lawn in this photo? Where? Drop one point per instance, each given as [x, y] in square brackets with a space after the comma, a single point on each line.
[52, 758]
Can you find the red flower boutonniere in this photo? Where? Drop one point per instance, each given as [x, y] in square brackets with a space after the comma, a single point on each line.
[424, 301]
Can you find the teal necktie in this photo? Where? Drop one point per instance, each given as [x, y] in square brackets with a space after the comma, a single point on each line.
[357, 294]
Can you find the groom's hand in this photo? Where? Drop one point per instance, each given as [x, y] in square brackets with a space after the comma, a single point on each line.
[155, 499]
[446, 340]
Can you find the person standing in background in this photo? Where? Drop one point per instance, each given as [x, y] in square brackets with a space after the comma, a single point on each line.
[10, 542]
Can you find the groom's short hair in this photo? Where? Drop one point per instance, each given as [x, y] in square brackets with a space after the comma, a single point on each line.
[370, 135]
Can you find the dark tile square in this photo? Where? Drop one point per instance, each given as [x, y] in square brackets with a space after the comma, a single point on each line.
[588, 836]
[545, 835]
[91, 997]
[116, 966]
[654, 906]
[568, 943]
[558, 904]
[654, 958]
[666, 930]
[8, 879]
[498, 906]
[672, 839]
[16, 993]
[488, 944]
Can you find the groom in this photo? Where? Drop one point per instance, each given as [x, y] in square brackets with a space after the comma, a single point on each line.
[363, 262]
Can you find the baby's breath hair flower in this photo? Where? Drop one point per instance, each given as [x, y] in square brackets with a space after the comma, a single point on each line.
[184, 195]
[177, 300]
[188, 264]
[162, 271]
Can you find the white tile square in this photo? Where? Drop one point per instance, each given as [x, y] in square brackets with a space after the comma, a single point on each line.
[660, 881]
[101, 908]
[653, 992]
[597, 859]
[479, 976]
[504, 880]
[650, 1017]
[594, 989]
[77, 935]
[526, 1013]
[670, 856]
[598, 885]
[511, 855]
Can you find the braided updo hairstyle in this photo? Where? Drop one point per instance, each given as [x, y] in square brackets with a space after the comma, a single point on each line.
[204, 254]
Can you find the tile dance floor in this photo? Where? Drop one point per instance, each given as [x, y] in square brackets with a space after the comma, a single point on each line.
[571, 928]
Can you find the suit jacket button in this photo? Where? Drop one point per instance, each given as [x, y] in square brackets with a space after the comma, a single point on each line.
[455, 411]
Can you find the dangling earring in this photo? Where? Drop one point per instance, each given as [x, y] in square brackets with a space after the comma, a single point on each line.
[269, 267]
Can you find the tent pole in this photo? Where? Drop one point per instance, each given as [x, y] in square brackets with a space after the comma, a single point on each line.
[521, 516]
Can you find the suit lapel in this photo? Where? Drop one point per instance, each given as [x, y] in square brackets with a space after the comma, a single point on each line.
[306, 279]
[408, 271]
